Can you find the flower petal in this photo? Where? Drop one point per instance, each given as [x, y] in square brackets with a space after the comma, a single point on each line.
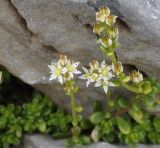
[75, 64]
[109, 68]
[85, 69]
[105, 87]
[53, 76]
[103, 64]
[76, 71]
[60, 79]
[111, 84]
[71, 75]
[82, 77]
[51, 66]
[64, 70]
[98, 84]
[88, 82]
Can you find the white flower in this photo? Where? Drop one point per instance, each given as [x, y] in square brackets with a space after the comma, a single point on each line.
[117, 68]
[104, 84]
[136, 76]
[100, 74]
[105, 71]
[63, 70]
[86, 76]
[72, 69]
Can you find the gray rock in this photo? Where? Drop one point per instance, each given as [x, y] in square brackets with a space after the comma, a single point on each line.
[39, 141]
[34, 32]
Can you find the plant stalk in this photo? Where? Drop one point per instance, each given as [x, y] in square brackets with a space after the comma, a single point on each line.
[131, 88]
[73, 110]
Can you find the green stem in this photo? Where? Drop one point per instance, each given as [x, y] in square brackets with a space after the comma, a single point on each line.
[5, 145]
[132, 88]
[108, 99]
[113, 58]
[73, 108]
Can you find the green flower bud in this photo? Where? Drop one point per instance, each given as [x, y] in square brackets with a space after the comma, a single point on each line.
[136, 76]
[117, 68]
[105, 41]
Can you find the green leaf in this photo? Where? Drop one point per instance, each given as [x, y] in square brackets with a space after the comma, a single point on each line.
[107, 115]
[111, 103]
[137, 115]
[5, 145]
[42, 127]
[85, 139]
[85, 124]
[97, 117]
[3, 122]
[76, 130]
[123, 103]
[97, 106]
[123, 125]
[152, 137]
[79, 109]
[149, 102]
[156, 124]
[146, 87]
[60, 135]
[96, 134]
[10, 107]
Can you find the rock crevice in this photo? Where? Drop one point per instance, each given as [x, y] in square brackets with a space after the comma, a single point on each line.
[35, 32]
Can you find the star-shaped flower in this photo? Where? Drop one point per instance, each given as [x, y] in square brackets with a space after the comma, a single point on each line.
[63, 70]
[100, 74]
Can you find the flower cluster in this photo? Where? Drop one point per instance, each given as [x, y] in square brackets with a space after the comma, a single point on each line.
[105, 28]
[103, 75]
[63, 70]
[104, 16]
[100, 74]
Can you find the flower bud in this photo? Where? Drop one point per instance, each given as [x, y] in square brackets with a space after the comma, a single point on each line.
[114, 33]
[94, 65]
[117, 68]
[102, 14]
[136, 76]
[105, 41]
[104, 10]
[97, 28]
[111, 19]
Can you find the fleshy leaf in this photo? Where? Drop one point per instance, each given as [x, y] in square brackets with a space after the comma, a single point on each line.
[123, 125]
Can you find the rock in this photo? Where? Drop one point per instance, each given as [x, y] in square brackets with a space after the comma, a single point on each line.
[39, 141]
[34, 32]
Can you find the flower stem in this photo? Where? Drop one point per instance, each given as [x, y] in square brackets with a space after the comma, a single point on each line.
[132, 88]
[113, 57]
[73, 110]
[108, 99]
